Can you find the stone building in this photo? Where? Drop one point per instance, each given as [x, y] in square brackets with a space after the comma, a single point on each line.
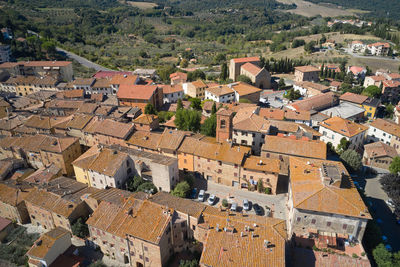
[12, 201]
[235, 65]
[306, 73]
[322, 199]
[379, 155]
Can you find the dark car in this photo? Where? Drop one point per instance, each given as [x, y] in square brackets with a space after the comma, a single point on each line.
[193, 194]
[257, 209]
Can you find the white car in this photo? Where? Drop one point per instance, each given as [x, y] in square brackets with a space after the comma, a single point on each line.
[201, 196]
[246, 205]
[234, 206]
[211, 199]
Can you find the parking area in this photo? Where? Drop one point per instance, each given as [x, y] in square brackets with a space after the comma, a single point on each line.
[276, 203]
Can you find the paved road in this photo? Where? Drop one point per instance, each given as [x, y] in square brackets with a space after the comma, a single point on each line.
[83, 61]
[377, 197]
[276, 202]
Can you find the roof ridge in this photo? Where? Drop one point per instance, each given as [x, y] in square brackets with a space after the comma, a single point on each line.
[313, 194]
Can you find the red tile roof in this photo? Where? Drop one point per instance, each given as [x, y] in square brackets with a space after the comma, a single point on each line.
[253, 69]
[143, 92]
[354, 98]
[246, 59]
[108, 74]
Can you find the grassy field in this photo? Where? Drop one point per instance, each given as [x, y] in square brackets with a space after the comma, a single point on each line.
[142, 5]
[309, 9]
[375, 64]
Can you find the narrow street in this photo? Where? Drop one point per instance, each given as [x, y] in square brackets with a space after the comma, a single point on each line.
[377, 197]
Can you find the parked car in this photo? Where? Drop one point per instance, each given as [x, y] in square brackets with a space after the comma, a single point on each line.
[234, 206]
[193, 194]
[211, 199]
[246, 204]
[257, 209]
[201, 195]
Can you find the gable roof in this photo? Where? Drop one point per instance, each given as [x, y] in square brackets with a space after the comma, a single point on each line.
[343, 126]
[262, 164]
[354, 98]
[315, 102]
[183, 205]
[295, 147]
[220, 90]
[145, 139]
[108, 162]
[246, 59]
[386, 126]
[253, 123]
[45, 242]
[171, 139]
[243, 89]
[145, 220]
[170, 89]
[128, 91]
[379, 149]
[146, 119]
[306, 69]
[251, 68]
[109, 127]
[310, 193]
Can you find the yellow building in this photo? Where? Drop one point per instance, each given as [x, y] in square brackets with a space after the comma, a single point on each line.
[81, 165]
[371, 106]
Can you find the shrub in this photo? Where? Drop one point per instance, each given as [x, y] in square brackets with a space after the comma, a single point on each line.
[354, 255]
[181, 190]
[224, 203]
[268, 191]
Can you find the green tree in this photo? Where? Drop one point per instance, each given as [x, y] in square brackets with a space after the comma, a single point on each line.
[372, 91]
[149, 109]
[79, 228]
[188, 120]
[389, 111]
[351, 159]
[395, 165]
[179, 104]
[224, 203]
[164, 116]
[147, 187]
[323, 39]
[260, 186]
[298, 43]
[224, 72]
[309, 47]
[382, 256]
[165, 72]
[182, 190]
[189, 263]
[196, 75]
[195, 103]
[321, 71]
[209, 126]
[214, 109]
[281, 84]
[292, 94]
[134, 183]
[184, 63]
[244, 78]
[343, 145]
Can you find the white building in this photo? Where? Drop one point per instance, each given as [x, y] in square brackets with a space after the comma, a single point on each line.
[379, 49]
[384, 131]
[171, 93]
[220, 94]
[335, 128]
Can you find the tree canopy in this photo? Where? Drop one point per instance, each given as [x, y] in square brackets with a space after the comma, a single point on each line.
[372, 91]
[351, 159]
[395, 165]
[292, 94]
[244, 78]
[149, 109]
[80, 228]
[209, 126]
[188, 120]
[182, 189]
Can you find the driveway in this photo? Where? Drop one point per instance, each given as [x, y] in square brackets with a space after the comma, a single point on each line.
[83, 61]
[277, 203]
[376, 198]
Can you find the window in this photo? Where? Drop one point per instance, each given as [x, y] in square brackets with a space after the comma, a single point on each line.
[183, 224]
[219, 163]
[344, 226]
[328, 224]
[145, 248]
[223, 124]
[298, 219]
[235, 174]
[184, 161]
[147, 259]
[236, 166]
[254, 135]
[313, 221]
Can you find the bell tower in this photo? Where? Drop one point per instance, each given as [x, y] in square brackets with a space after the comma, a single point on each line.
[224, 125]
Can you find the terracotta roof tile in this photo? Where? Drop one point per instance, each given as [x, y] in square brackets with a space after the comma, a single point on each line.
[46, 242]
[183, 205]
[170, 89]
[315, 102]
[144, 92]
[253, 69]
[379, 149]
[145, 139]
[386, 126]
[343, 126]
[354, 98]
[145, 119]
[246, 59]
[108, 162]
[171, 140]
[123, 78]
[220, 90]
[244, 89]
[262, 164]
[306, 69]
[272, 113]
[295, 147]
[310, 192]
